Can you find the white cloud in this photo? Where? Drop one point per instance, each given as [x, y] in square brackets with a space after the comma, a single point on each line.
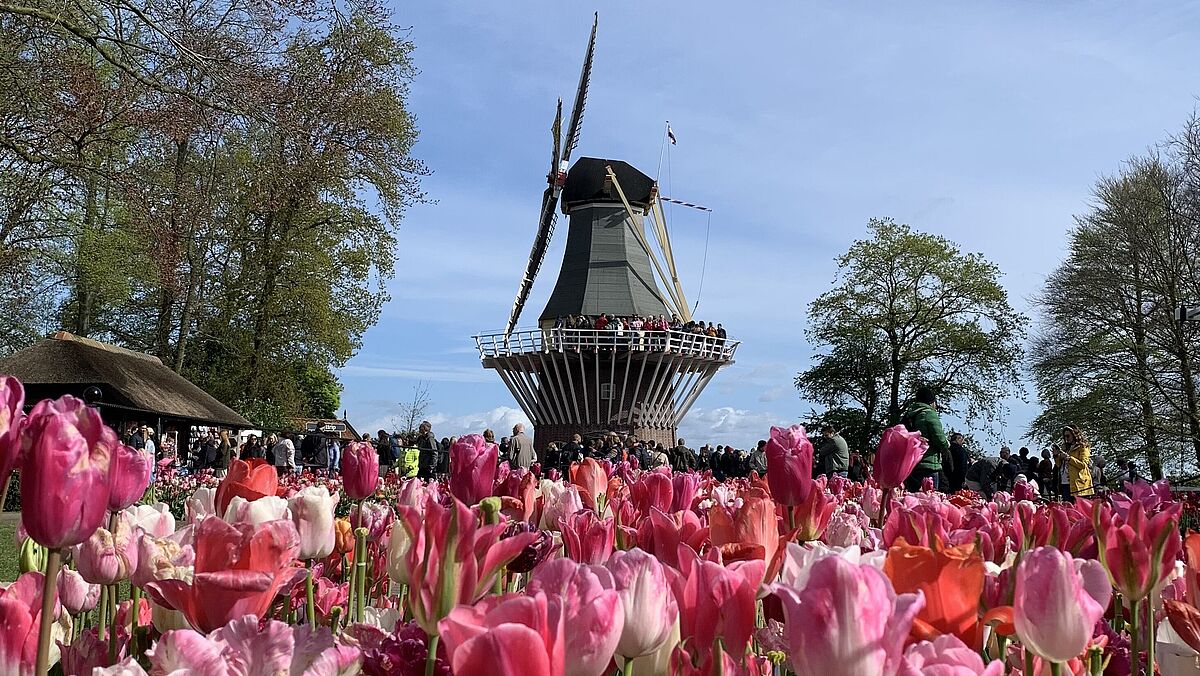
[729, 425]
[774, 393]
[500, 420]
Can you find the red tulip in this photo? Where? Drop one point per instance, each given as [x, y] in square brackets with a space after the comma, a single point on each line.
[472, 468]
[513, 635]
[1185, 620]
[661, 535]
[586, 538]
[592, 480]
[951, 578]
[67, 453]
[360, 470]
[450, 557]
[812, 516]
[12, 419]
[249, 480]
[239, 571]
[128, 477]
[898, 453]
[1137, 551]
[789, 464]
[653, 490]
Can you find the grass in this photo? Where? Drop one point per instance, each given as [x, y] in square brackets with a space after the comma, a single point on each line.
[9, 565]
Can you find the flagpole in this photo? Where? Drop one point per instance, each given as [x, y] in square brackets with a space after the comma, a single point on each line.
[661, 148]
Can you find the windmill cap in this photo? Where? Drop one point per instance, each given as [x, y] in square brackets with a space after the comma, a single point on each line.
[587, 181]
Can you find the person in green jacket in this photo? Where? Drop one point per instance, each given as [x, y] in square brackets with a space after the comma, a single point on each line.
[922, 416]
[410, 459]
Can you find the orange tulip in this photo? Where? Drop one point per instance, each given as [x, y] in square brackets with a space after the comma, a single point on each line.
[751, 531]
[951, 579]
[1191, 556]
[343, 536]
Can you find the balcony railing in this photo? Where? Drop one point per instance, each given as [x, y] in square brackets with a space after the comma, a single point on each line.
[590, 340]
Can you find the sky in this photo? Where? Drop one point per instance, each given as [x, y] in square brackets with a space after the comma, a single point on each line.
[988, 123]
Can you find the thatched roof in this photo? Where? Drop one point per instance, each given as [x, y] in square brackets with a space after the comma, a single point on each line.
[128, 380]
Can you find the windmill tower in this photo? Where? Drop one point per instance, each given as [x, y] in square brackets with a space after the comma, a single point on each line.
[585, 381]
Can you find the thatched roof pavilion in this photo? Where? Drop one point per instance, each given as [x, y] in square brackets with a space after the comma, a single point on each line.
[131, 385]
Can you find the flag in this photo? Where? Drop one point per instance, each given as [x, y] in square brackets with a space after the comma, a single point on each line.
[670, 134]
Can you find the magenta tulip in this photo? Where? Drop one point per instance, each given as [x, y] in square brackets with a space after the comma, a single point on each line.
[20, 611]
[12, 419]
[360, 470]
[67, 453]
[593, 608]
[1057, 601]
[586, 538]
[129, 475]
[1138, 551]
[646, 597]
[789, 464]
[472, 468]
[109, 557]
[716, 602]
[898, 453]
[846, 620]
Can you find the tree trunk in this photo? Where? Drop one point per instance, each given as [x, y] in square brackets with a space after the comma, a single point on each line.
[84, 295]
[1141, 354]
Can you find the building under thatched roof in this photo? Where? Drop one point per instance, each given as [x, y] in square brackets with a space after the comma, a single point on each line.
[128, 385]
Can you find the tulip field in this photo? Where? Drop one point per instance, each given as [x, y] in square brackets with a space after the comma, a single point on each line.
[610, 570]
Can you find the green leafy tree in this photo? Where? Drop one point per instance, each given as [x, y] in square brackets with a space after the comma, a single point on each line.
[909, 309]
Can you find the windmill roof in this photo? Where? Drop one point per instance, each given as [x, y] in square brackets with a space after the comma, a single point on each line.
[587, 182]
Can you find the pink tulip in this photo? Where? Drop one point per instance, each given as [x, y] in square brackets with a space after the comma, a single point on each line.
[109, 557]
[947, 655]
[312, 510]
[653, 490]
[129, 475]
[846, 620]
[12, 419]
[1057, 602]
[360, 470]
[789, 464]
[162, 559]
[155, 520]
[558, 503]
[898, 453]
[647, 600]
[1138, 551]
[472, 468]
[86, 654]
[20, 610]
[376, 517]
[75, 594]
[811, 517]
[662, 534]
[239, 570]
[512, 635]
[716, 601]
[684, 486]
[67, 452]
[451, 558]
[586, 538]
[591, 605]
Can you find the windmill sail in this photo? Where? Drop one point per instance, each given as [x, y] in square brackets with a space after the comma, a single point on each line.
[560, 156]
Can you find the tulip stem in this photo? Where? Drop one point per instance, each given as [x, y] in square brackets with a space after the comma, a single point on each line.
[360, 563]
[310, 601]
[112, 632]
[49, 596]
[627, 668]
[1134, 642]
[135, 607]
[431, 656]
[1056, 669]
[102, 613]
[1028, 660]
[1152, 630]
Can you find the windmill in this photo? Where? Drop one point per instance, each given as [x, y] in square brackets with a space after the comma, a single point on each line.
[588, 381]
[560, 158]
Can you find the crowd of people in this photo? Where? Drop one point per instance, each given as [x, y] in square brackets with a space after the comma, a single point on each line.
[1063, 471]
[614, 332]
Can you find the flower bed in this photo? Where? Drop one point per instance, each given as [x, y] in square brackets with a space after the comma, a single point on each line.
[613, 570]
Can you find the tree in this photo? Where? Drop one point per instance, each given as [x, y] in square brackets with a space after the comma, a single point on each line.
[413, 411]
[910, 309]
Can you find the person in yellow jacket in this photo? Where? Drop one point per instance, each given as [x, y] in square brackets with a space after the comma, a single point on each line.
[410, 460]
[1077, 454]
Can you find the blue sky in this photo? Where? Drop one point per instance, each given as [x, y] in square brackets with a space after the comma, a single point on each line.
[987, 123]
